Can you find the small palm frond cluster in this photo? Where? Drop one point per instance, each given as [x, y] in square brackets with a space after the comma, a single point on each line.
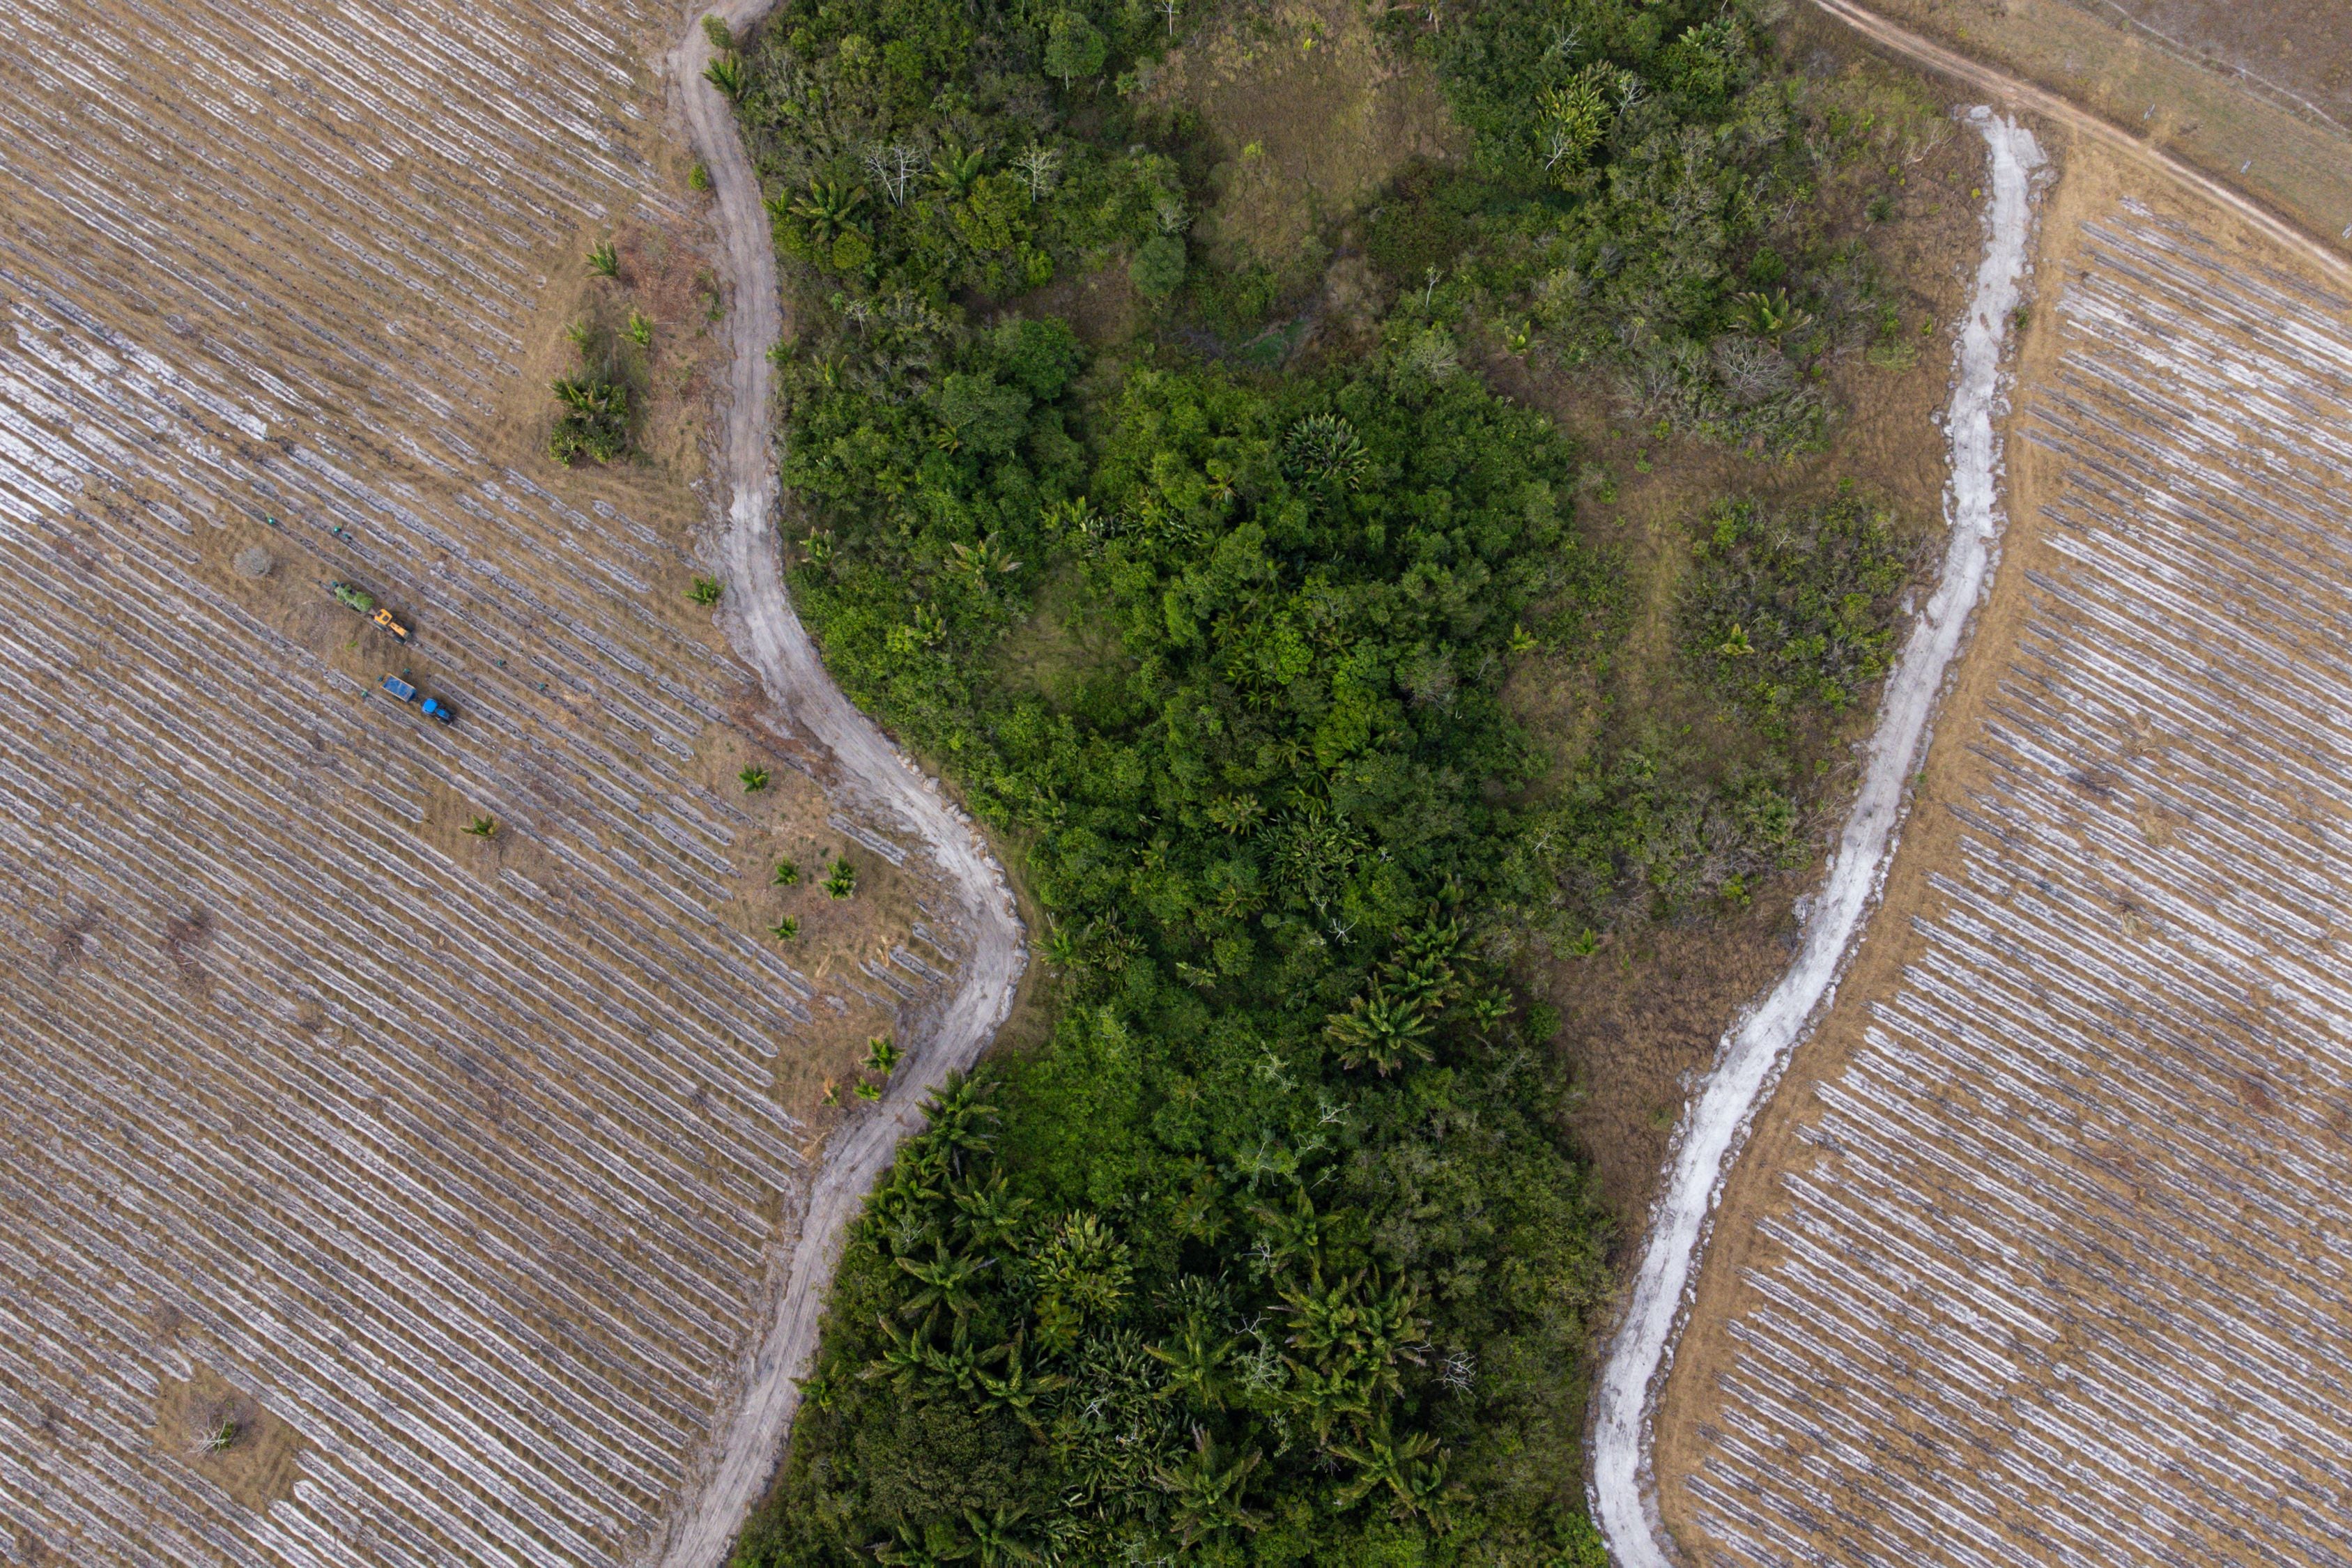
[1325, 446]
[1772, 315]
[1393, 1020]
[725, 73]
[829, 207]
[984, 560]
[595, 420]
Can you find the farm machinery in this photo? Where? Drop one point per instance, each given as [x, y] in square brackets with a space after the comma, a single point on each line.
[431, 707]
[350, 595]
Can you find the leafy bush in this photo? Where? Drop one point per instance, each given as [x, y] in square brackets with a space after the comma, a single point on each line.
[1158, 266]
[595, 418]
[1655, 176]
[920, 148]
[1789, 607]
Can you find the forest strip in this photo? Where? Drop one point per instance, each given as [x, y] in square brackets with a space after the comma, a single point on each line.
[1757, 1048]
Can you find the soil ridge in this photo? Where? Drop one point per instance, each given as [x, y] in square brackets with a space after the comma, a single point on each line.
[767, 634]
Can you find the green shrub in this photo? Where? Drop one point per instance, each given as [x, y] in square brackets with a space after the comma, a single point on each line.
[1158, 265]
[1787, 607]
[1075, 47]
[595, 418]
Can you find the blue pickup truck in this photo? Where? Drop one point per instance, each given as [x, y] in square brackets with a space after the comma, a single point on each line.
[434, 708]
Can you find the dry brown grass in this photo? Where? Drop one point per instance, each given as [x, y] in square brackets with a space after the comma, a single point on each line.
[1645, 1013]
[1310, 119]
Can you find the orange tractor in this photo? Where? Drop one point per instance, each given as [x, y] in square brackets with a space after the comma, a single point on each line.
[354, 596]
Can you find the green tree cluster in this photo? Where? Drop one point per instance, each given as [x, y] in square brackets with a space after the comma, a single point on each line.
[1790, 607]
[909, 146]
[1651, 186]
[1267, 1257]
[1273, 1254]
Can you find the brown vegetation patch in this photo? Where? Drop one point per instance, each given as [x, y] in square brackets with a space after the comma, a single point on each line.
[1311, 117]
[227, 1435]
[1643, 1015]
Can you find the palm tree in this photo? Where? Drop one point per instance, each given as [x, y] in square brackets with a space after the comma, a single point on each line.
[786, 929]
[904, 1359]
[882, 1055]
[828, 208]
[1325, 446]
[958, 170]
[987, 556]
[725, 73]
[994, 1539]
[1324, 1399]
[705, 592]
[1208, 1495]
[935, 1547]
[787, 873]
[959, 1108]
[1772, 315]
[991, 1215]
[1017, 1390]
[1195, 1360]
[1380, 1031]
[483, 827]
[754, 779]
[947, 1280]
[1386, 1462]
[604, 260]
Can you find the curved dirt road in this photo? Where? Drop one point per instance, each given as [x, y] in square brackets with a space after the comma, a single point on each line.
[767, 635]
[1757, 1050]
[2018, 94]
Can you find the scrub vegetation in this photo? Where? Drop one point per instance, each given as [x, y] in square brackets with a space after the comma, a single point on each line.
[1272, 1253]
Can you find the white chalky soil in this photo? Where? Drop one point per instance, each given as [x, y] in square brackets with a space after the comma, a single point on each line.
[478, 1185]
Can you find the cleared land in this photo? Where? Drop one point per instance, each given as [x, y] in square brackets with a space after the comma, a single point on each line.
[2251, 93]
[450, 1177]
[2042, 1260]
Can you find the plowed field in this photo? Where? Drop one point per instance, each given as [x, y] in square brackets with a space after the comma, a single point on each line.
[448, 1176]
[2045, 1262]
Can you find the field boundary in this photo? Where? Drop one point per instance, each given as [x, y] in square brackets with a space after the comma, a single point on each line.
[767, 633]
[1756, 1048]
[2019, 94]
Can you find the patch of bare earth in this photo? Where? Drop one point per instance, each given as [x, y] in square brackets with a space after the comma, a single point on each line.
[2034, 1259]
[2256, 93]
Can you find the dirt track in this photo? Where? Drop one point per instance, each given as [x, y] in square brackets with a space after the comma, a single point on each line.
[770, 637]
[2018, 94]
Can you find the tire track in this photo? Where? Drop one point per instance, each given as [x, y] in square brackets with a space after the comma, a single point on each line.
[767, 633]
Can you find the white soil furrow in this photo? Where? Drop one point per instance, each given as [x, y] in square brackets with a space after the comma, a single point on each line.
[482, 1184]
[2109, 1103]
